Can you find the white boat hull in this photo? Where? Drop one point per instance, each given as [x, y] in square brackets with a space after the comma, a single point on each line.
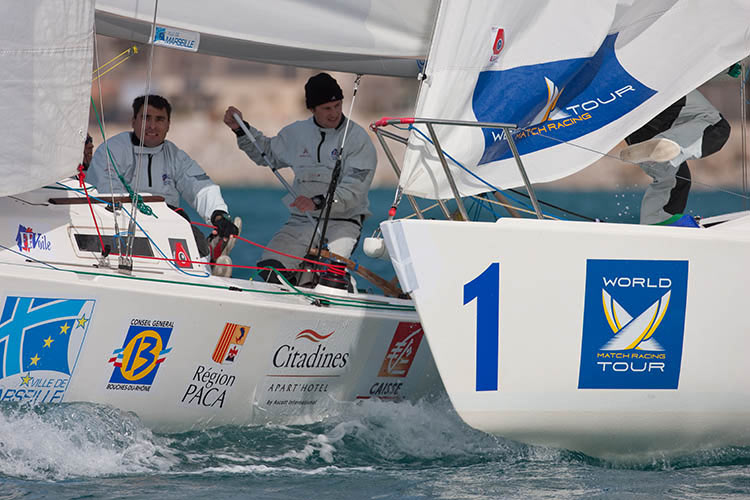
[614, 340]
[183, 351]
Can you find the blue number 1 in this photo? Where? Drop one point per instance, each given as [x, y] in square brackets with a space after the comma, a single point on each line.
[486, 289]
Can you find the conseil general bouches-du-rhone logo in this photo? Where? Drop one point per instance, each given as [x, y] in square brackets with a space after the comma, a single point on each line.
[633, 324]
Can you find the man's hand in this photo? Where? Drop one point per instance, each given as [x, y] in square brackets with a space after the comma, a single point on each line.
[229, 117]
[304, 204]
[224, 226]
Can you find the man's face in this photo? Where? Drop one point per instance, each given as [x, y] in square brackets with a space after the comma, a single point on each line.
[328, 115]
[157, 126]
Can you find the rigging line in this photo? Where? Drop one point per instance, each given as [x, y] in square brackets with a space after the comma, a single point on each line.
[117, 237]
[144, 113]
[336, 174]
[569, 212]
[530, 212]
[447, 155]
[124, 55]
[112, 165]
[704, 184]
[97, 112]
[99, 75]
[338, 301]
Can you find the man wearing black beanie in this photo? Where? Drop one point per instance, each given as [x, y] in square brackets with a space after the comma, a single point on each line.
[310, 147]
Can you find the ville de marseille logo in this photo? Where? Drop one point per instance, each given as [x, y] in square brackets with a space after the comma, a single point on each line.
[40, 339]
[633, 324]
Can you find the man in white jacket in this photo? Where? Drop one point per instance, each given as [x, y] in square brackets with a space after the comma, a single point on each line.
[165, 169]
[310, 147]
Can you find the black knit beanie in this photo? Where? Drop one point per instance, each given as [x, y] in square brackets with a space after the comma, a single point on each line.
[321, 89]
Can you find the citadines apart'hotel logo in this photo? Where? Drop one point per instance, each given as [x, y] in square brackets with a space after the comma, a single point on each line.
[633, 324]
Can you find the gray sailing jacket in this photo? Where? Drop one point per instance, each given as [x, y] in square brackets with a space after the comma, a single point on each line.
[311, 152]
[166, 170]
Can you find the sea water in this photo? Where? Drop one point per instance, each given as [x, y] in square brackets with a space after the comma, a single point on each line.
[364, 450]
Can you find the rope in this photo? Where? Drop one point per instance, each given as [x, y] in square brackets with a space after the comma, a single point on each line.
[312, 296]
[127, 53]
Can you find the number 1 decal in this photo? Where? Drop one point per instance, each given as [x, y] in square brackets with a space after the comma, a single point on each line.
[486, 289]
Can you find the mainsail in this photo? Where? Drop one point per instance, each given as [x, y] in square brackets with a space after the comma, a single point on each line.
[385, 37]
[45, 85]
[576, 77]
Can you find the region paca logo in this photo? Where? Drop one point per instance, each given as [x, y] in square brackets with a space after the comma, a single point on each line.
[633, 324]
[143, 351]
[402, 350]
[40, 340]
[230, 343]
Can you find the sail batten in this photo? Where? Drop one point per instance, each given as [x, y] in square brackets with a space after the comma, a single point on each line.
[577, 77]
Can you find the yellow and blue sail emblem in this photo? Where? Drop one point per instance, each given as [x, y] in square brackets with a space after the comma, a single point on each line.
[630, 333]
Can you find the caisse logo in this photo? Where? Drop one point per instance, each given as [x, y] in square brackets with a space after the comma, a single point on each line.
[402, 350]
[633, 324]
[137, 361]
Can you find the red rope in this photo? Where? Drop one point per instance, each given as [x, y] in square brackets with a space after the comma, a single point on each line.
[200, 262]
[334, 268]
[81, 177]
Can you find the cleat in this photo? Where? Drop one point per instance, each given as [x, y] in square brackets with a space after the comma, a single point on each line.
[654, 150]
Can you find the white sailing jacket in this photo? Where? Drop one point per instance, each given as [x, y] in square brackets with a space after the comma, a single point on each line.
[166, 170]
[311, 151]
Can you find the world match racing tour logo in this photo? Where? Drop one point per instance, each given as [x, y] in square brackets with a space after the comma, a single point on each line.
[40, 340]
[554, 101]
[633, 324]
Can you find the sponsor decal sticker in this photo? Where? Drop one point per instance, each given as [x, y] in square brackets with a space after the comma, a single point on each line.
[230, 343]
[143, 351]
[397, 361]
[498, 44]
[27, 240]
[176, 38]
[40, 340]
[210, 384]
[311, 355]
[180, 253]
[402, 350]
[633, 324]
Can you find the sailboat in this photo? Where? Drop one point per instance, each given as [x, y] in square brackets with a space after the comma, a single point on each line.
[614, 340]
[150, 331]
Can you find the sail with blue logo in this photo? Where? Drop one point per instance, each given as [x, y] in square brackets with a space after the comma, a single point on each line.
[574, 77]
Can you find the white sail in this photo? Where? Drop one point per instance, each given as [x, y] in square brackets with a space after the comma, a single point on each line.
[385, 37]
[45, 85]
[576, 76]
